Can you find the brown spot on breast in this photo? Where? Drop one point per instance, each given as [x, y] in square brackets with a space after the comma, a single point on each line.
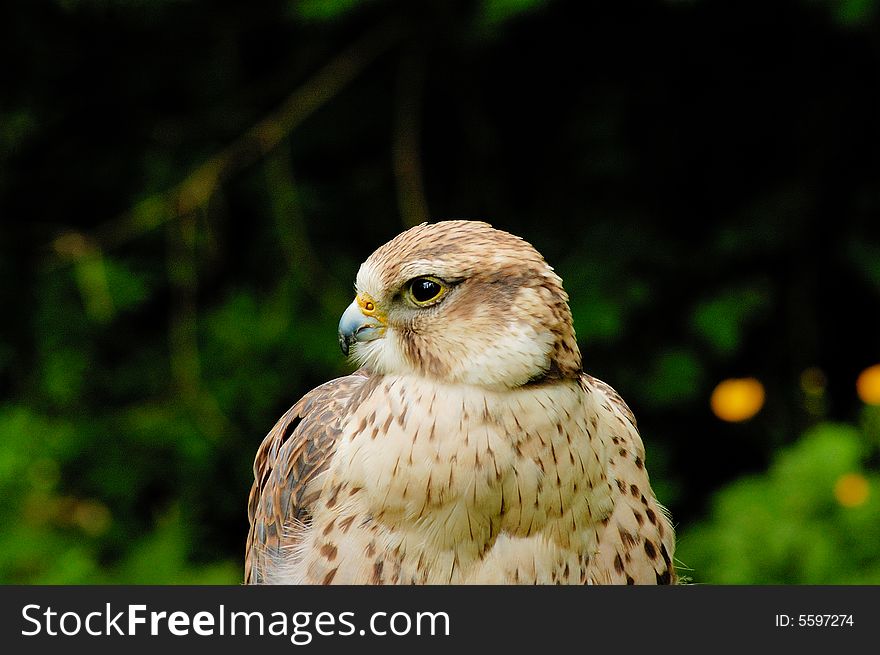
[626, 538]
[329, 526]
[651, 516]
[629, 580]
[377, 571]
[639, 463]
[622, 486]
[639, 518]
[634, 490]
[330, 575]
[329, 551]
[664, 578]
[345, 524]
[331, 502]
[650, 550]
[622, 452]
[618, 563]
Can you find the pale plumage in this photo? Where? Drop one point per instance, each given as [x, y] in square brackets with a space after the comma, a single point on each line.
[469, 448]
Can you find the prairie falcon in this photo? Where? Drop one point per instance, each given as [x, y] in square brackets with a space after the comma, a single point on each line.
[468, 448]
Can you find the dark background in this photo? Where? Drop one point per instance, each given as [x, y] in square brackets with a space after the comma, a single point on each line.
[187, 188]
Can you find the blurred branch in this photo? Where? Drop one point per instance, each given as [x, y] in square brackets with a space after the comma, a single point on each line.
[183, 341]
[406, 148]
[289, 220]
[199, 186]
[91, 275]
[183, 336]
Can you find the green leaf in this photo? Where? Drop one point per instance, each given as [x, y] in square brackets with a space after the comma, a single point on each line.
[675, 378]
[854, 12]
[722, 321]
[494, 12]
[324, 10]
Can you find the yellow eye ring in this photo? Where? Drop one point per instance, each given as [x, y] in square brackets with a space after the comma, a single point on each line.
[425, 291]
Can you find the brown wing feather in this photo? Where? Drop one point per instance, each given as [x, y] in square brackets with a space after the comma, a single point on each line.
[636, 541]
[297, 449]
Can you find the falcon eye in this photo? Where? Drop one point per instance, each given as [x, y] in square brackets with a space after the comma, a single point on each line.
[425, 290]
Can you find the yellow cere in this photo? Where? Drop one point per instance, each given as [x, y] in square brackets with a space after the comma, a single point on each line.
[868, 385]
[851, 490]
[368, 306]
[737, 399]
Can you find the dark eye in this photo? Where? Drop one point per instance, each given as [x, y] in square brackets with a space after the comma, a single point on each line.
[423, 290]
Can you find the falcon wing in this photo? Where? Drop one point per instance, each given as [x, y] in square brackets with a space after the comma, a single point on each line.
[636, 541]
[294, 452]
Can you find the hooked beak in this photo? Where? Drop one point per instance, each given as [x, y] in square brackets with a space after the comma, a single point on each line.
[360, 324]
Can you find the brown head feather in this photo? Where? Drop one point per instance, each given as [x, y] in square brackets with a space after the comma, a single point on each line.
[503, 294]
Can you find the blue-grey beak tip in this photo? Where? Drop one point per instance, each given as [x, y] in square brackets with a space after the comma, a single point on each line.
[354, 326]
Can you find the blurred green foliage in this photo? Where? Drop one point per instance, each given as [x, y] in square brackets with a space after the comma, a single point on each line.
[187, 188]
[785, 526]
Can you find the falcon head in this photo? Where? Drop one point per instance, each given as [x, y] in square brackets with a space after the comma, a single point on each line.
[464, 303]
